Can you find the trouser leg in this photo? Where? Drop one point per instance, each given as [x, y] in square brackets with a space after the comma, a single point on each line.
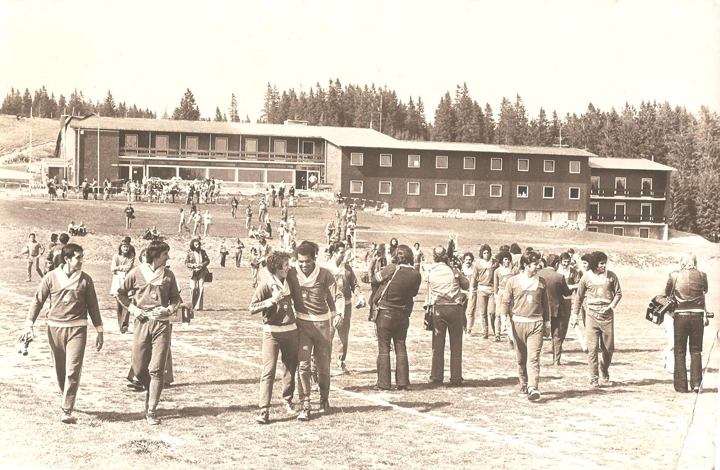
[470, 310]
[437, 372]
[682, 333]
[305, 346]
[520, 332]
[289, 357]
[593, 334]
[270, 351]
[481, 310]
[607, 345]
[697, 326]
[534, 347]
[384, 336]
[322, 348]
[399, 335]
[343, 333]
[455, 332]
[669, 351]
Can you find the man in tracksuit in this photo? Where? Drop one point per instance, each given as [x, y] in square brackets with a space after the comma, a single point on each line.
[72, 297]
[155, 301]
[601, 289]
[319, 306]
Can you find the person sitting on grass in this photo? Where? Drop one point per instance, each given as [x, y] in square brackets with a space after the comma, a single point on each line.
[81, 230]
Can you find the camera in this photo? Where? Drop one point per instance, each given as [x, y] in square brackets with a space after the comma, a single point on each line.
[709, 315]
[23, 343]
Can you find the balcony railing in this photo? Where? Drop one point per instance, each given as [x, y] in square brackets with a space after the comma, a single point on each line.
[626, 193]
[633, 219]
[218, 155]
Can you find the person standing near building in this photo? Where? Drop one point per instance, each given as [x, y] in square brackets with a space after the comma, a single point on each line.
[122, 262]
[467, 269]
[688, 287]
[182, 225]
[156, 300]
[557, 290]
[48, 259]
[601, 288]
[197, 220]
[33, 250]
[418, 257]
[504, 271]
[223, 248]
[233, 207]
[197, 261]
[525, 301]
[445, 283]
[248, 216]
[239, 247]
[483, 278]
[207, 221]
[319, 306]
[396, 285]
[54, 256]
[347, 283]
[129, 216]
[262, 210]
[272, 298]
[72, 298]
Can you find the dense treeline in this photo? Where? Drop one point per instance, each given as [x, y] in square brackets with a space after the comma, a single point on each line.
[658, 131]
[46, 106]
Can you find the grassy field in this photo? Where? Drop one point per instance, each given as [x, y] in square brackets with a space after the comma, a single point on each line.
[15, 133]
[208, 413]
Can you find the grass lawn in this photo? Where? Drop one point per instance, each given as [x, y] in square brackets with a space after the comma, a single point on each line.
[207, 414]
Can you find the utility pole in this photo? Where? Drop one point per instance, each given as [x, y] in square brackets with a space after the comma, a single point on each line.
[560, 139]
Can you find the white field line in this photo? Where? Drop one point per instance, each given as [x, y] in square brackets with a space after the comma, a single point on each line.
[437, 419]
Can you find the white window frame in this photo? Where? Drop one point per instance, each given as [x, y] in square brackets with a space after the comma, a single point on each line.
[646, 204]
[620, 204]
[275, 144]
[642, 183]
[389, 155]
[545, 162]
[553, 192]
[360, 182]
[622, 231]
[501, 164]
[549, 216]
[469, 185]
[417, 193]
[308, 142]
[597, 178]
[527, 194]
[623, 179]
[570, 190]
[570, 168]
[647, 230]
[465, 163]
[437, 162]
[595, 204]
[380, 185]
[524, 160]
[438, 186]
[592, 229]
[251, 152]
[409, 161]
[496, 186]
[137, 141]
[356, 154]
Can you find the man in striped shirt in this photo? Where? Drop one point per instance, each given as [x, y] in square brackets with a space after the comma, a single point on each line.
[72, 297]
[319, 306]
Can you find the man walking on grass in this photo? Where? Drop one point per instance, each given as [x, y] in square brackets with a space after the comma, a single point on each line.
[319, 306]
[601, 289]
[33, 250]
[72, 297]
[155, 301]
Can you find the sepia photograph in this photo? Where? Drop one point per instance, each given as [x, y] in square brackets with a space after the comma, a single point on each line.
[359, 235]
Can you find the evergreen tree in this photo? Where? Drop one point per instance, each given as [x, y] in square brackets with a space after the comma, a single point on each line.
[234, 116]
[188, 110]
[445, 126]
[540, 132]
[12, 104]
[465, 130]
[683, 204]
[505, 133]
[108, 108]
[489, 124]
[26, 103]
[219, 116]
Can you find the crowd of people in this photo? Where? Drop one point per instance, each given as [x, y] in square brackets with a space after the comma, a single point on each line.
[305, 297]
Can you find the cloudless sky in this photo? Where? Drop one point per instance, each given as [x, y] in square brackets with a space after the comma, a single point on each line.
[559, 55]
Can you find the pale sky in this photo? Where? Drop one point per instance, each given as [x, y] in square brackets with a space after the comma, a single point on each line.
[560, 55]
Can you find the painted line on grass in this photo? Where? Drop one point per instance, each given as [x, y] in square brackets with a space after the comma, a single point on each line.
[559, 457]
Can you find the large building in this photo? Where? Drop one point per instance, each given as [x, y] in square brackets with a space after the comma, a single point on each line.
[510, 183]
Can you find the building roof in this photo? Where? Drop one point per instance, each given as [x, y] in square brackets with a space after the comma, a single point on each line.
[341, 136]
[627, 164]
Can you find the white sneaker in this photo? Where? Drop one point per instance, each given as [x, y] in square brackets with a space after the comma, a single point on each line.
[533, 394]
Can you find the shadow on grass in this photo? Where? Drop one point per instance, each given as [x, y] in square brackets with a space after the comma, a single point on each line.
[359, 409]
[554, 396]
[621, 351]
[215, 382]
[422, 407]
[195, 411]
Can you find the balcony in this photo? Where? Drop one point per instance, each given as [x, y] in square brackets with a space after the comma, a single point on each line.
[626, 193]
[628, 219]
[144, 152]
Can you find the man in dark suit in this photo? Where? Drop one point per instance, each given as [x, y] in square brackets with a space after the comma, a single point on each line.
[559, 314]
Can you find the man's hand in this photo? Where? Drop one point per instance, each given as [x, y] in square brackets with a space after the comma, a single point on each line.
[99, 341]
[573, 320]
[546, 329]
[277, 295]
[337, 321]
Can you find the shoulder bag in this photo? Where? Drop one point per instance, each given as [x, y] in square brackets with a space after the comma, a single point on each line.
[661, 305]
[372, 316]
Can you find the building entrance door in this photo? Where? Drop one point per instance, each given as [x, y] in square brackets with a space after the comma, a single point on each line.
[301, 179]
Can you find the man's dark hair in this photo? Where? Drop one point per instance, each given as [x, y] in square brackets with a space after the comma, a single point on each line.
[192, 245]
[69, 250]
[515, 249]
[564, 256]
[308, 248]
[504, 248]
[529, 258]
[485, 247]
[467, 253]
[600, 257]
[64, 238]
[552, 261]
[590, 259]
[155, 249]
[54, 237]
[404, 255]
[130, 253]
[502, 255]
[275, 260]
[335, 247]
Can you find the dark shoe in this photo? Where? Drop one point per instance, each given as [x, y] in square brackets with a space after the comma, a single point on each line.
[304, 415]
[135, 385]
[377, 388]
[696, 389]
[343, 368]
[324, 407]
[523, 390]
[263, 417]
[497, 338]
[402, 387]
[435, 382]
[123, 329]
[152, 418]
[456, 384]
[485, 336]
[533, 394]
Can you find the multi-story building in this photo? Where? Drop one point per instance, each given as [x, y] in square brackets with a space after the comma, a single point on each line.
[628, 197]
[510, 183]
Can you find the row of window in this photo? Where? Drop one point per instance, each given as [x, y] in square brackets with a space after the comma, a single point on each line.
[621, 183]
[469, 163]
[620, 231]
[221, 144]
[441, 189]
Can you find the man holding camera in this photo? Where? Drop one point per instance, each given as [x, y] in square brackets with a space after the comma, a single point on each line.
[156, 299]
[445, 282]
[72, 297]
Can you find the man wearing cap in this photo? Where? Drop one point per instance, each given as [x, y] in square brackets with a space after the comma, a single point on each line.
[72, 297]
[444, 293]
[33, 250]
